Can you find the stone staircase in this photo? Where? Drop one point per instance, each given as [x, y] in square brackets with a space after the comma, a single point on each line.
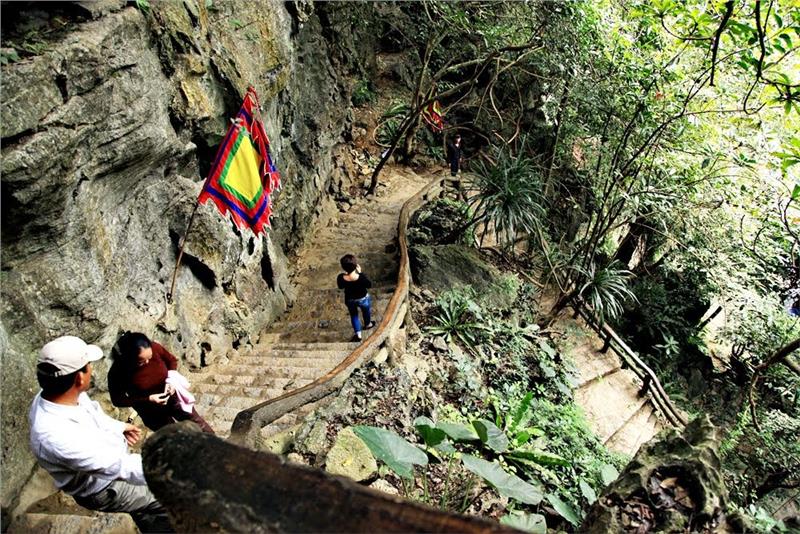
[313, 336]
[607, 393]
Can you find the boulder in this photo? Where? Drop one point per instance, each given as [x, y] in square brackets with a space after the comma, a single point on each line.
[444, 267]
[350, 457]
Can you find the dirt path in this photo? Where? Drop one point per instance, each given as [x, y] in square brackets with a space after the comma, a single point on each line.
[608, 394]
[313, 336]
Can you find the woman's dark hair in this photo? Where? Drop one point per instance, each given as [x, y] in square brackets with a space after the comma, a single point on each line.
[128, 347]
[55, 385]
[349, 263]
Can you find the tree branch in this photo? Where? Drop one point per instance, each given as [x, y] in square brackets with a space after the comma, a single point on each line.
[717, 36]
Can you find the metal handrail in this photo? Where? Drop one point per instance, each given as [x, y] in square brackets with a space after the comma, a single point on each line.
[249, 422]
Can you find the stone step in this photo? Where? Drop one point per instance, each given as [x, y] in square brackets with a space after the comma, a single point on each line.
[591, 363]
[321, 336]
[72, 523]
[589, 375]
[610, 401]
[286, 358]
[209, 401]
[261, 381]
[332, 310]
[636, 430]
[273, 372]
[334, 294]
[341, 346]
[256, 393]
[342, 324]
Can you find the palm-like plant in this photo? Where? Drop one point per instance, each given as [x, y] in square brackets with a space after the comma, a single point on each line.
[458, 316]
[606, 290]
[507, 194]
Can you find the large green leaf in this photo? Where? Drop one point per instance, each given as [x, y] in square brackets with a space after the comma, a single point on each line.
[431, 435]
[458, 432]
[493, 437]
[608, 473]
[534, 523]
[587, 492]
[541, 457]
[508, 485]
[521, 414]
[388, 447]
[564, 509]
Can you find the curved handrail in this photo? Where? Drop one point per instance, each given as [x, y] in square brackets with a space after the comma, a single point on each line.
[661, 400]
[248, 423]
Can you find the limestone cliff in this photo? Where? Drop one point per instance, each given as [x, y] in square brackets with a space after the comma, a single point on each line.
[108, 126]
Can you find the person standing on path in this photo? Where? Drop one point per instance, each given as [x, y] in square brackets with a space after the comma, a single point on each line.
[83, 449]
[355, 285]
[141, 378]
[454, 150]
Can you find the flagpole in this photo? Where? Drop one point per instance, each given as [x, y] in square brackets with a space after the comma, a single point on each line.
[180, 252]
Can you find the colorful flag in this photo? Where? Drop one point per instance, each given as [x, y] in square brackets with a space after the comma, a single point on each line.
[432, 115]
[243, 175]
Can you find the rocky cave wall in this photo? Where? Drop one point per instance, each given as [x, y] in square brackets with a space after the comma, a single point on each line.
[107, 133]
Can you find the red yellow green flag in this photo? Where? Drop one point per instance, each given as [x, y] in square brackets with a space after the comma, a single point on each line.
[432, 114]
[243, 175]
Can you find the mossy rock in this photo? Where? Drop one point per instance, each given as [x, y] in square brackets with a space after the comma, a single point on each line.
[446, 267]
[350, 457]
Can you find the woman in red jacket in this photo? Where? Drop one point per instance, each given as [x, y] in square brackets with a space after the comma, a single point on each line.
[138, 378]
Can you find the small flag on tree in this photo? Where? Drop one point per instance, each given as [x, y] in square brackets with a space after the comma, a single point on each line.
[243, 175]
[432, 114]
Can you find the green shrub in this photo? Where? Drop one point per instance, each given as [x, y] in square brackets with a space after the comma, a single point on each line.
[363, 93]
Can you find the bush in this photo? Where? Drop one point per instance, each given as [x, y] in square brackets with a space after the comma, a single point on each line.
[363, 93]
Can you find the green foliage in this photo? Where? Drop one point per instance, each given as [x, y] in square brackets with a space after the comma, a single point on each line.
[387, 131]
[506, 484]
[762, 327]
[391, 449]
[458, 316]
[751, 458]
[533, 523]
[606, 290]
[564, 509]
[7, 57]
[437, 220]
[142, 5]
[363, 93]
[528, 447]
[508, 194]
[662, 321]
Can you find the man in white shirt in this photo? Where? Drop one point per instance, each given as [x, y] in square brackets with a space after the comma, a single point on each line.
[83, 449]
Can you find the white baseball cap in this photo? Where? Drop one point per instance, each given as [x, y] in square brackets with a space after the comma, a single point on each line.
[69, 354]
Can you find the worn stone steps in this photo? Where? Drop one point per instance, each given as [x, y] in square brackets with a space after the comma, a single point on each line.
[256, 393]
[315, 345]
[313, 335]
[639, 428]
[608, 393]
[342, 324]
[261, 378]
[609, 402]
[321, 336]
[593, 364]
[285, 358]
[333, 310]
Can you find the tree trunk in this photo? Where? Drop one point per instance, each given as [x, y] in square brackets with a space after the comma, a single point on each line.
[408, 143]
